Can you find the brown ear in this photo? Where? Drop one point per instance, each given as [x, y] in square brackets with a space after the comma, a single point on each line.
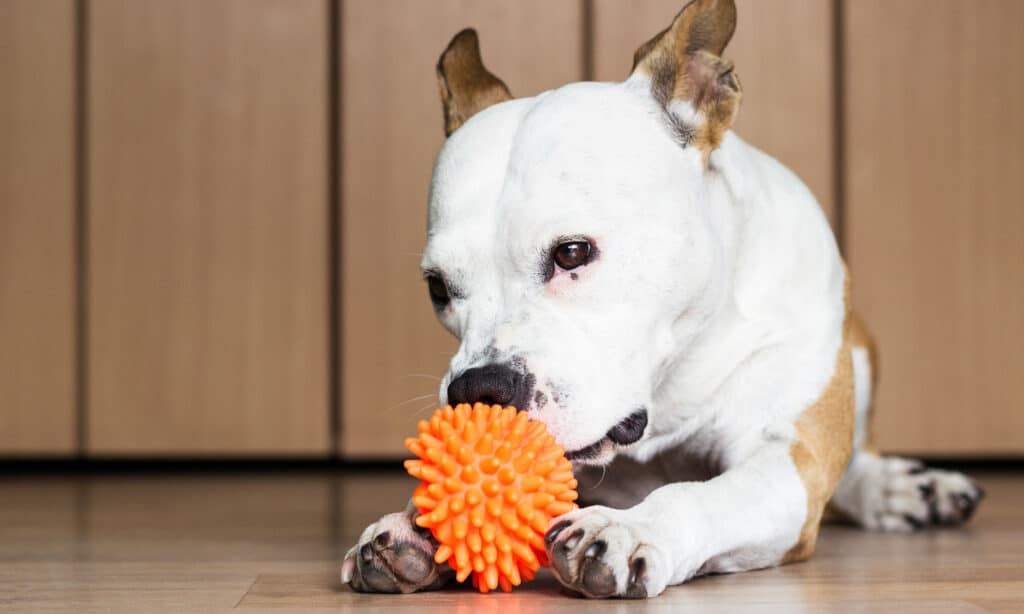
[698, 89]
[467, 87]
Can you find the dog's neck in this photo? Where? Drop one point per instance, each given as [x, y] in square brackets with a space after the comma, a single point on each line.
[771, 234]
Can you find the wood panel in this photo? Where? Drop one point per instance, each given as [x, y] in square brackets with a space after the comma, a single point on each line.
[208, 316]
[394, 350]
[783, 50]
[935, 213]
[37, 226]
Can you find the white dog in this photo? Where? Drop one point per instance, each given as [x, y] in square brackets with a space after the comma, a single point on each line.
[671, 303]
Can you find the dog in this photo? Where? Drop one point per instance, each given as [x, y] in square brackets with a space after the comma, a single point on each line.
[672, 304]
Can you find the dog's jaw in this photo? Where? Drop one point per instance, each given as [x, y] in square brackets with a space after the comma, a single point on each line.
[596, 454]
[628, 431]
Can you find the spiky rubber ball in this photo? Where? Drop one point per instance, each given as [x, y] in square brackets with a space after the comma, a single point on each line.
[492, 482]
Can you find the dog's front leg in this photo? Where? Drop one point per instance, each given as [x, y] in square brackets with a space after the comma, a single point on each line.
[748, 517]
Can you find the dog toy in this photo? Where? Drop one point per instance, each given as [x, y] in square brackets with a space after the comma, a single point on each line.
[492, 482]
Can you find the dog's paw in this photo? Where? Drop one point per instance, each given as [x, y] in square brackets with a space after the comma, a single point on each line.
[601, 552]
[915, 497]
[393, 555]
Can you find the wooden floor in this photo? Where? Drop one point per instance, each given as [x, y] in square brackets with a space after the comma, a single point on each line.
[216, 542]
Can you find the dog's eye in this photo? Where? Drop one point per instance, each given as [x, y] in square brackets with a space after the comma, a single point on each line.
[438, 291]
[570, 255]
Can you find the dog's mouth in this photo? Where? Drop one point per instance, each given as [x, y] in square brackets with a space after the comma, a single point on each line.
[626, 432]
[587, 452]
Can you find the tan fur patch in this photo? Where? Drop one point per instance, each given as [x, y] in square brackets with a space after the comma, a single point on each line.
[684, 64]
[824, 440]
[467, 87]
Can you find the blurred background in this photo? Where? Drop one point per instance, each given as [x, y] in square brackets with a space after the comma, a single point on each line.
[211, 211]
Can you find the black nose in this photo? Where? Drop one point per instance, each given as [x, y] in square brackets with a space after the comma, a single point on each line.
[490, 384]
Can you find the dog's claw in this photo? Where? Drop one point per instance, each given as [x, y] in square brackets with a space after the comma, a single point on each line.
[553, 532]
[598, 579]
[572, 541]
[635, 588]
[366, 553]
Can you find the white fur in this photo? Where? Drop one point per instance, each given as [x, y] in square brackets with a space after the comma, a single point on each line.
[703, 255]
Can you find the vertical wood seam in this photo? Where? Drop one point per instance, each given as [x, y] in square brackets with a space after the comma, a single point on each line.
[839, 127]
[334, 271]
[587, 40]
[80, 248]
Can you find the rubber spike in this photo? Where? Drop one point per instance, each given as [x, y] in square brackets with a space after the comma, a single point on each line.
[492, 481]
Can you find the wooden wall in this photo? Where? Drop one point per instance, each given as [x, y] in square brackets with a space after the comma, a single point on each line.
[211, 211]
[207, 303]
[37, 237]
[935, 215]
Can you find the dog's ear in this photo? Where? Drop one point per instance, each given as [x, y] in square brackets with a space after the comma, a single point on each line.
[688, 77]
[467, 87]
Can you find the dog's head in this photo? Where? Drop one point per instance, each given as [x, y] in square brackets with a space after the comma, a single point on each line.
[568, 248]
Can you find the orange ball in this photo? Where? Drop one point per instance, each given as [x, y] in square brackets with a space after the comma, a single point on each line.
[492, 482]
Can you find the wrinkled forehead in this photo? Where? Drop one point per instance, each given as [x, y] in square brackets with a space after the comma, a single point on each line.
[581, 149]
[592, 139]
[471, 167]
